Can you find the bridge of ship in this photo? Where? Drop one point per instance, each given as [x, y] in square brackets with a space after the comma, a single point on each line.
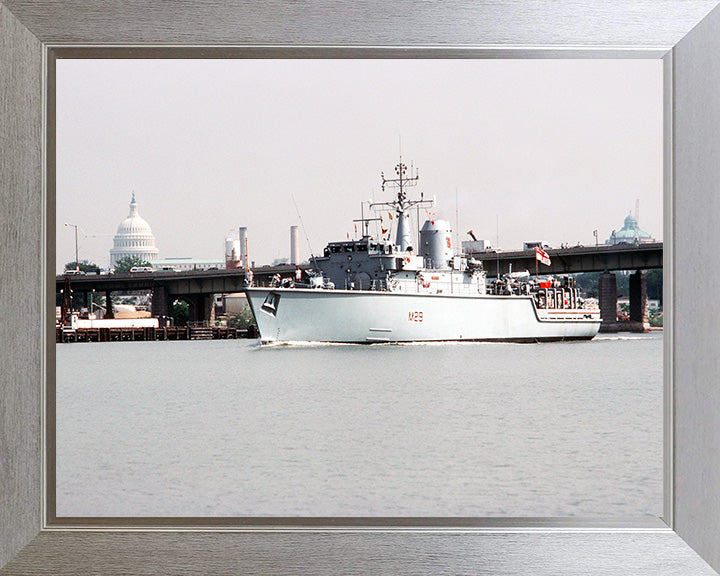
[198, 287]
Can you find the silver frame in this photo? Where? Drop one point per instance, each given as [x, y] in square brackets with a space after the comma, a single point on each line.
[55, 52]
[685, 33]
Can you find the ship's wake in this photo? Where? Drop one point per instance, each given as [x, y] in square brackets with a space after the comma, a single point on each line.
[623, 338]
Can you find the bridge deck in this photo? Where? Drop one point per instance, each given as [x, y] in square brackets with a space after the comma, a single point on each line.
[577, 259]
[562, 261]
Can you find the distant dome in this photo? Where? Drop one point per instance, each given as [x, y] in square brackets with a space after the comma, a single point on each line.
[630, 233]
[134, 238]
[630, 222]
[134, 224]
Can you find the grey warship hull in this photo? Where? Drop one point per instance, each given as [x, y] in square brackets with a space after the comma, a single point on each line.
[359, 316]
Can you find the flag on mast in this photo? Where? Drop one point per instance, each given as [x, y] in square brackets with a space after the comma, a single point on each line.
[542, 256]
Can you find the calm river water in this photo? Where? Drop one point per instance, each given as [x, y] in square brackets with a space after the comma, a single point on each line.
[227, 428]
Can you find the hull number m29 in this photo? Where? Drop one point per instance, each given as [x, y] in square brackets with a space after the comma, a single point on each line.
[415, 316]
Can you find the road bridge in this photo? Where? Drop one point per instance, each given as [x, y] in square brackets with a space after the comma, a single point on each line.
[576, 259]
[197, 287]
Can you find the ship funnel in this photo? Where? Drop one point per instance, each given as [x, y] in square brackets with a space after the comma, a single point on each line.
[436, 243]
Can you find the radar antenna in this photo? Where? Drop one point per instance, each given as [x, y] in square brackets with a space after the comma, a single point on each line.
[401, 204]
[365, 222]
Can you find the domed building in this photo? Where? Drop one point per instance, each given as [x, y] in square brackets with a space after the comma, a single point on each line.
[133, 238]
[630, 233]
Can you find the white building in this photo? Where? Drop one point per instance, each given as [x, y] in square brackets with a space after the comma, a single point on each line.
[134, 238]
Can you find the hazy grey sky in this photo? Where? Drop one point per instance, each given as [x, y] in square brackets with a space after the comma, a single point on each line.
[549, 149]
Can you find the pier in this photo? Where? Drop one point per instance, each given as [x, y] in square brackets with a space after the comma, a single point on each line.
[63, 334]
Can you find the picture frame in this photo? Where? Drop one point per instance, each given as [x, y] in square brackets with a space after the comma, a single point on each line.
[378, 489]
[684, 34]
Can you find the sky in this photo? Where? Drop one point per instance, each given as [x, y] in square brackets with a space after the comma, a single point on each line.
[515, 150]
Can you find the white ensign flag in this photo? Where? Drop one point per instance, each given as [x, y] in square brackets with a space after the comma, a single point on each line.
[541, 255]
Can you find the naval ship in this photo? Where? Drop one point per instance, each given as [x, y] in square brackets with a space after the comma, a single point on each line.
[371, 290]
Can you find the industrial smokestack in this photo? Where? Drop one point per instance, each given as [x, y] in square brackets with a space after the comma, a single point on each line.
[294, 245]
[243, 246]
[232, 253]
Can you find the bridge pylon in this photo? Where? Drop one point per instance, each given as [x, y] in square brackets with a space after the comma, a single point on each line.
[607, 301]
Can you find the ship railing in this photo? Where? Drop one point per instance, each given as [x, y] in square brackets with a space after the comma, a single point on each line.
[557, 298]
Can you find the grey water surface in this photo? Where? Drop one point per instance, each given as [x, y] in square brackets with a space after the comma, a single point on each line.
[229, 428]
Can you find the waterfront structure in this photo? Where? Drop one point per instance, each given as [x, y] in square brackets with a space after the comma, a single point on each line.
[235, 303]
[470, 246]
[653, 304]
[134, 238]
[630, 233]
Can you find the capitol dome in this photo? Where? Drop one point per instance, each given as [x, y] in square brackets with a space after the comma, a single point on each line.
[134, 238]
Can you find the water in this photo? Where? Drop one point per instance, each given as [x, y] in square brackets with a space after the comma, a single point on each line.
[226, 428]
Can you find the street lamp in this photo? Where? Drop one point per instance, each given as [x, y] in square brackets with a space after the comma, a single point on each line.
[77, 263]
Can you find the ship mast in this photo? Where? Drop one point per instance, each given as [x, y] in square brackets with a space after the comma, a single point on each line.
[401, 204]
[365, 222]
